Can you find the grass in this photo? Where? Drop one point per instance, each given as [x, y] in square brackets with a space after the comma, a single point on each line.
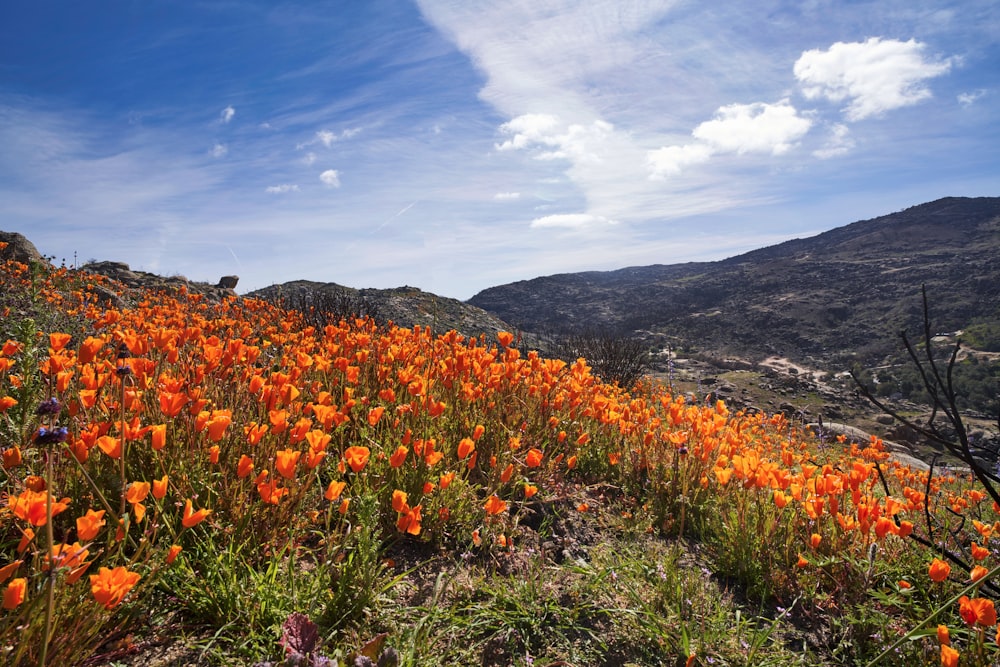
[220, 483]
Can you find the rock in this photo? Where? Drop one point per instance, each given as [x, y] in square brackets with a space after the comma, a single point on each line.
[885, 419]
[228, 282]
[19, 249]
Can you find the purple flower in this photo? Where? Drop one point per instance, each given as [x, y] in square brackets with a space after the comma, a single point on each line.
[46, 436]
[50, 406]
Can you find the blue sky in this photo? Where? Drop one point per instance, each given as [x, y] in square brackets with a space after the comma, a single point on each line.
[454, 145]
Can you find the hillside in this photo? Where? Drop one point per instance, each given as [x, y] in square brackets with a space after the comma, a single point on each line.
[840, 296]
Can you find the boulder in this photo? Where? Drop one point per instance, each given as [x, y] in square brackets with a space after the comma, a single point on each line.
[228, 282]
[19, 248]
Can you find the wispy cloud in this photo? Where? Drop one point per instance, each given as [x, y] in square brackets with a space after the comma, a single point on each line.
[219, 150]
[284, 188]
[227, 114]
[507, 196]
[968, 99]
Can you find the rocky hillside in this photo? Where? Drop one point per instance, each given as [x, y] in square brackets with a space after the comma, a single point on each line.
[837, 297]
[405, 306]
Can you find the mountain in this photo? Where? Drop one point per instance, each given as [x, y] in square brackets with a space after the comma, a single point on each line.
[843, 294]
[404, 306]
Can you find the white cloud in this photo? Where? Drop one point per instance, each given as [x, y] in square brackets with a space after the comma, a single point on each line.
[506, 196]
[968, 99]
[754, 128]
[282, 189]
[330, 178]
[227, 114]
[527, 129]
[736, 128]
[326, 137]
[309, 158]
[671, 160]
[875, 76]
[219, 150]
[839, 143]
[571, 220]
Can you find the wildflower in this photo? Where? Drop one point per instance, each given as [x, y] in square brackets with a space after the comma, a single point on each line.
[409, 521]
[8, 570]
[534, 458]
[6, 403]
[31, 506]
[446, 479]
[802, 562]
[109, 587]
[159, 436]
[944, 637]
[50, 406]
[977, 610]
[191, 519]
[398, 456]
[357, 457]
[110, 445]
[978, 572]
[374, 415]
[814, 540]
[399, 500]
[11, 457]
[978, 552]
[949, 656]
[530, 490]
[172, 553]
[477, 432]
[938, 570]
[494, 505]
[46, 436]
[465, 447]
[285, 461]
[13, 595]
[245, 466]
[160, 487]
[88, 525]
[334, 490]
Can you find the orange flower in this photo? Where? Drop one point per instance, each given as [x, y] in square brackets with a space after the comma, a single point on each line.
[137, 492]
[109, 587]
[978, 572]
[217, 424]
[802, 562]
[172, 553]
[534, 458]
[191, 519]
[494, 505]
[11, 457]
[334, 490]
[409, 521]
[374, 415]
[815, 539]
[530, 490]
[7, 402]
[477, 432]
[949, 656]
[398, 456]
[245, 466]
[399, 501]
[285, 461]
[111, 446]
[213, 454]
[943, 636]
[507, 473]
[978, 552]
[465, 447]
[160, 487]
[13, 595]
[446, 479]
[31, 506]
[505, 338]
[88, 525]
[159, 436]
[977, 610]
[614, 458]
[571, 462]
[357, 457]
[8, 570]
[938, 570]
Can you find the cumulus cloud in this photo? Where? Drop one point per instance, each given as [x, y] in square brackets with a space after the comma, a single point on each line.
[330, 178]
[571, 220]
[219, 150]
[552, 140]
[506, 196]
[282, 189]
[754, 128]
[227, 114]
[874, 76]
[736, 128]
[839, 143]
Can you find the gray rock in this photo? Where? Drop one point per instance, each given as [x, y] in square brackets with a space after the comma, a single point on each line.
[19, 248]
[228, 282]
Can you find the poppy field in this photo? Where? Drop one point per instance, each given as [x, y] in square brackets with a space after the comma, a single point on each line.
[221, 479]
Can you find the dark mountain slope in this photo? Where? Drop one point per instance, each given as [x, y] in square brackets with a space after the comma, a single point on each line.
[847, 291]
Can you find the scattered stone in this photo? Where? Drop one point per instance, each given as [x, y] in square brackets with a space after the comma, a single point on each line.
[228, 282]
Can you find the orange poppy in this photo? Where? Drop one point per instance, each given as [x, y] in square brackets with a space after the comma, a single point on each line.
[13, 595]
[285, 461]
[494, 505]
[334, 490]
[357, 457]
[938, 570]
[88, 525]
[109, 587]
[190, 519]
